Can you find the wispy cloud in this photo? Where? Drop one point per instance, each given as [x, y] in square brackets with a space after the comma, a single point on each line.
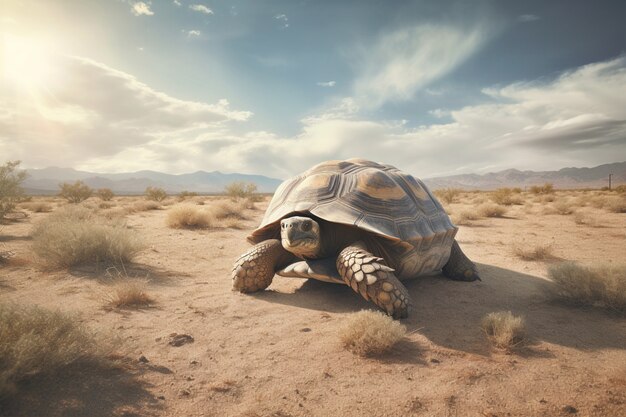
[141, 8]
[177, 3]
[200, 8]
[76, 126]
[406, 60]
[283, 19]
[326, 83]
[576, 118]
[194, 33]
[528, 18]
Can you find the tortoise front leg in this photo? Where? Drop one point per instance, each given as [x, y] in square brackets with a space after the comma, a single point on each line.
[254, 270]
[366, 275]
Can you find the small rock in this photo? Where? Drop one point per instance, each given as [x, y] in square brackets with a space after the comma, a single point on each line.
[194, 362]
[434, 360]
[185, 393]
[180, 339]
[305, 329]
[542, 401]
[143, 359]
[161, 397]
[190, 378]
[570, 409]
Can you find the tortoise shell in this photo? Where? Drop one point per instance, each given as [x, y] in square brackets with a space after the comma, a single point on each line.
[374, 197]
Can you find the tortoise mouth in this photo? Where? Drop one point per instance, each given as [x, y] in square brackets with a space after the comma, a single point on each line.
[305, 242]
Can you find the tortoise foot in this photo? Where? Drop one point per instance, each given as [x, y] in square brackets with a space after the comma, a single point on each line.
[253, 271]
[459, 266]
[373, 280]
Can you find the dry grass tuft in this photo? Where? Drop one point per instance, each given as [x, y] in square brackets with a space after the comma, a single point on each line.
[537, 253]
[506, 197]
[563, 207]
[491, 210]
[464, 218]
[188, 216]
[448, 195]
[131, 294]
[600, 285]
[143, 205]
[75, 236]
[369, 333]
[230, 209]
[37, 207]
[586, 219]
[504, 330]
[37, 341]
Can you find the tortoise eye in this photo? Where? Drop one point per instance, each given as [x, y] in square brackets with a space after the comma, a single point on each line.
[306, 226]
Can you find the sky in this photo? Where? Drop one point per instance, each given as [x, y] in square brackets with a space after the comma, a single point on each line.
[273, 87]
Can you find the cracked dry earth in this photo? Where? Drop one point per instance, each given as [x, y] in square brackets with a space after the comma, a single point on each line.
[203, 350]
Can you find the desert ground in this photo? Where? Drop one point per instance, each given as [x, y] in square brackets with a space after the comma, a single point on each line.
[277, 352]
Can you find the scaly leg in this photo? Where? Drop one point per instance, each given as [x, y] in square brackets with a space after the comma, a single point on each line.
[459, 266]
[254, 270]
[366, 275]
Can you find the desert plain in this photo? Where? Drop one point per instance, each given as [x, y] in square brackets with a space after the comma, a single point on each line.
[200, 349]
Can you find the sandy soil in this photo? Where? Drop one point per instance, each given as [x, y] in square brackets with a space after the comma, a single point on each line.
[277, 353]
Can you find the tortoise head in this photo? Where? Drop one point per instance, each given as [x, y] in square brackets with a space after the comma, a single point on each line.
[301, 236]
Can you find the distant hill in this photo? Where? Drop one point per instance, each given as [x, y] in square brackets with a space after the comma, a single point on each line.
[595, 177]
[47, 180]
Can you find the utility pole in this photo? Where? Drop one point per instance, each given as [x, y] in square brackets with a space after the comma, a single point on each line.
[610, 175]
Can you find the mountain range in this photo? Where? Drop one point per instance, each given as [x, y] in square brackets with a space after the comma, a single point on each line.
[47, 180]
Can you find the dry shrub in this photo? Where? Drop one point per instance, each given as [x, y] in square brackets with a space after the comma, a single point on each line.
[229, 209]
[116, 213]
[547, 188]
[74, 235]
[464, 218]
[369, 333]
[188, 216]
[105, 194]
[155, 193]
[616, 204]
[240, 189]
[504, 330]
[36, 341]
[448, 195]
[491, 210]
[106, 205]
[37, 207]
[563, 207]
[131, 294]
[143, 205]
[599, 285]
[506, 197]
[76, 192]
[537, 253]
[586, 219]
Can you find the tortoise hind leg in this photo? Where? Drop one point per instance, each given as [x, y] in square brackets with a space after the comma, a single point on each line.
[366, 275]
[459, 266]
[254, 270]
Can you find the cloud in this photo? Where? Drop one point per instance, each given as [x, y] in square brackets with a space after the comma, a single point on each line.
[95, 113]
[200, 8]
[140, 8]
[283, 19]
[577, 119]
[102, 119]
[525, 18]
[177, 3]
[326, 83]
[402, 62]
[192, 33]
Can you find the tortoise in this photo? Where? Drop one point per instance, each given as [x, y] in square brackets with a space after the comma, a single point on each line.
[358, 223]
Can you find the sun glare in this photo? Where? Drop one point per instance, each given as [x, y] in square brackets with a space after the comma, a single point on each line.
[25, 61]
